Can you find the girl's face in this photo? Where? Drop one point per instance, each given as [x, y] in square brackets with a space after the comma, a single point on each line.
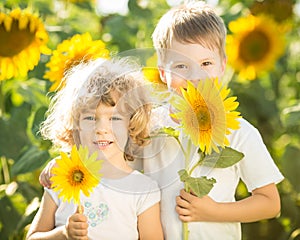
[191, 62]
[105, 131]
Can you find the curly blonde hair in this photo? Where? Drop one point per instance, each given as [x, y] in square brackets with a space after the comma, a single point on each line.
[99, 81]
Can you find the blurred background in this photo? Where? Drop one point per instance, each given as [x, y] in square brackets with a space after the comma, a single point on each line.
[41, 39]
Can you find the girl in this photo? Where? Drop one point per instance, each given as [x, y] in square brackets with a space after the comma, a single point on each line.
[103, 106]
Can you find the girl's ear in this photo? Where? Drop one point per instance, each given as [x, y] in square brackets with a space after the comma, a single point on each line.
[162, 74]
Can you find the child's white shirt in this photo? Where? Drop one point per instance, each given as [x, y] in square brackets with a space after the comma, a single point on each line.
[163, 159]
[113, 207]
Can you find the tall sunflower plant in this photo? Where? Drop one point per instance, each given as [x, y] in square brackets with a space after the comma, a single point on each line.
[206, 116]
[76, 173]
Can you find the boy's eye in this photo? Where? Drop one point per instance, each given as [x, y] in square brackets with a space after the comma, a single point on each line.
[206, 63]
[181, 66]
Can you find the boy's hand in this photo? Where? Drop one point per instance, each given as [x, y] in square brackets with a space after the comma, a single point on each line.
[77, 227]
[46, 174]
[191, 208]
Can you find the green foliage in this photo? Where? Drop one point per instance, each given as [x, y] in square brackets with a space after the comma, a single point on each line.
[226, 158]
[271, 103]
[199, 186]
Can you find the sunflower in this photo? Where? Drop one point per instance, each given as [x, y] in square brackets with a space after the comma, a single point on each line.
[151, 72]
[69, 53]
[76, 173]
[253, 47]
[206, 114]
[152, 75]
[22, 40]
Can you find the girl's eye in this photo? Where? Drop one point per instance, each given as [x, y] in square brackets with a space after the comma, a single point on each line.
[89, 118]
[115, 118]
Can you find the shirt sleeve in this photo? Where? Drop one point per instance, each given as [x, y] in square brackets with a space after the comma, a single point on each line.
[149, 197]
[53, 195]
[257, 168]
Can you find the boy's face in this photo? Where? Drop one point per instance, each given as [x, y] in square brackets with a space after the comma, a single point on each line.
[191, 62]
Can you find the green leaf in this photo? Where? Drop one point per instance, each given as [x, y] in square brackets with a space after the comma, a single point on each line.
[38, 118]
[13, 131]
[291, 165]
[226, 158]
[166, 131]
[9, 217]
[30, 191]
[200, 186]
[32, 159]
[170, 131]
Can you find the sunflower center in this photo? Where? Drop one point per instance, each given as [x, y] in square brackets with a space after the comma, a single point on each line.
[78, 176]
[254, 47]
[14, 41]
[203, 116]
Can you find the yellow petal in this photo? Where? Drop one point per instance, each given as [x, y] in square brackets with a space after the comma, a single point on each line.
[7, 23]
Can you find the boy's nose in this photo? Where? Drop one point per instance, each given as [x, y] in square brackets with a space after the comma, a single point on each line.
[195, 82]
[198, 74]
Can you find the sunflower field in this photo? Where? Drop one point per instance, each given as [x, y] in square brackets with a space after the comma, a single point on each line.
[40, 40]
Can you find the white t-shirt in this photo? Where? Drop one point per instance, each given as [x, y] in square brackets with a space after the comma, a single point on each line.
[163, 159]
[113, 206]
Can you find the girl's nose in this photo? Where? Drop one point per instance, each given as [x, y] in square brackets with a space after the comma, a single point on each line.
[101, 131]
[101, 127]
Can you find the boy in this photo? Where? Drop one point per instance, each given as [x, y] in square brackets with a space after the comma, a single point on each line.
[190, 43]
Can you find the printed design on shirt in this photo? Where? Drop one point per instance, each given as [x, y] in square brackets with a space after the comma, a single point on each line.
[95, 214]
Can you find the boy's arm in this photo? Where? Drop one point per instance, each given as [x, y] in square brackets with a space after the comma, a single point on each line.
[46, 174]
[149, 224]
[264, 203]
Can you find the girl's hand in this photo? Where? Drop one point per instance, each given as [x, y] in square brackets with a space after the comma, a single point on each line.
[46, 174]
[191, 208]
[77, 226]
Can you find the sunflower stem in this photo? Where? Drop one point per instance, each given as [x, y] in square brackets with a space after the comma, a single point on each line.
[185, 229]
[189, 146]
[183, 150]
[2, 105]
[5, 169]
[187, 153]
[202, 156]
[80, 208]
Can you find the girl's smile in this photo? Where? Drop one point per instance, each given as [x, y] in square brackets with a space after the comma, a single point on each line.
[103, 144]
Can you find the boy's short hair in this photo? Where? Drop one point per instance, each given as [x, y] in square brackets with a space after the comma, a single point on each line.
[194, 22]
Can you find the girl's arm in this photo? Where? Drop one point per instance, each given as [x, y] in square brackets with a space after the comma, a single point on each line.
[264, 203]
[43, 225]
[149, 224]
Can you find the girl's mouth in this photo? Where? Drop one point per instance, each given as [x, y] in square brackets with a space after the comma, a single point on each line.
[103, 144]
